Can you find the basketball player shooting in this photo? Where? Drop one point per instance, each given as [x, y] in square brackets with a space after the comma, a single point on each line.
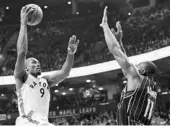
[139, 95]
[33, 92]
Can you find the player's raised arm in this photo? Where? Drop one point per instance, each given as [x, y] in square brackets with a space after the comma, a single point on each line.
[114, 47]
[119, 35]
[19, 72]
[60, 75]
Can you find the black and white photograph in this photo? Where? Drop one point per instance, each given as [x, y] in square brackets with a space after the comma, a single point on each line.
[84, 62]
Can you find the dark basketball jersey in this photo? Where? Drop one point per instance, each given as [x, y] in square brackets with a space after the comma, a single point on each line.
[136, 107]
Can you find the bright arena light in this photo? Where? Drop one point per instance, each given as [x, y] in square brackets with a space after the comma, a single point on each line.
[45, 7]
[56, 90]
[69, 2]
[63, 93]
[77, 13]
[7, 8]
[2, 94]
[88, 81]
[124, 81]
[100, 88]
[129, 13]
[8, 116]
[71, 89]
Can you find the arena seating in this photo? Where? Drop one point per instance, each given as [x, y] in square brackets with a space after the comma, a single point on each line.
[143, 32]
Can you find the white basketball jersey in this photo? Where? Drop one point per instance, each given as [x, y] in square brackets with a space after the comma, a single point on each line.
[34, 98]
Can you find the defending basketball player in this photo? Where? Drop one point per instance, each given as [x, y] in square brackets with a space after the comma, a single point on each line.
[33, 92]
[139, 96]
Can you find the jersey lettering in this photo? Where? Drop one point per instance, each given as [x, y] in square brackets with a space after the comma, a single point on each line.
[40, 84]
[44, 84]
[33, 85]
[151, 101]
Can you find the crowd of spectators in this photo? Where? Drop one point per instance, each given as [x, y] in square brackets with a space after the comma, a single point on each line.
[102, 118]
[143, 32]
[104, 114]
[161, 115]
[108, 118]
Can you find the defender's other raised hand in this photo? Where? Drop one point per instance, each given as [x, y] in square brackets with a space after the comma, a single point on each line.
[118, 26]
[73, 44]
[104, 19]
[119, 33]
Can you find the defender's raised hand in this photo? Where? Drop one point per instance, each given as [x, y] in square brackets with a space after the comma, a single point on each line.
[73, 44]
[119, 33]
[104, 20]
[118, 26]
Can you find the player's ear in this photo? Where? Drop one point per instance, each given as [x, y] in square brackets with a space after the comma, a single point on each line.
[26, 68]
[142, 72]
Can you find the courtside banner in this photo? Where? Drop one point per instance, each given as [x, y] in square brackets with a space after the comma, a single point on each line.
[74, 111]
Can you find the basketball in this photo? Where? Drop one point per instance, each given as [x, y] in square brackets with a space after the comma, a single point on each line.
[35, 17]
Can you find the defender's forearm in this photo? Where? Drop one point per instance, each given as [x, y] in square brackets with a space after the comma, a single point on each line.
[122, 48]
[22, 40]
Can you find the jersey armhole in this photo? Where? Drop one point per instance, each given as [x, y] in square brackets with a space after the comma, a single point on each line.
[23, 80]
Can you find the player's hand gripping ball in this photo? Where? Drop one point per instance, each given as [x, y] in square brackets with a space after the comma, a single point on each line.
[36, 16]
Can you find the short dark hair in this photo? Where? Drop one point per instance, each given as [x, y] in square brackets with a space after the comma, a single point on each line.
[150, 68]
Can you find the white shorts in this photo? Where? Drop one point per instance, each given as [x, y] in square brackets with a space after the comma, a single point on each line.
[21, 121]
